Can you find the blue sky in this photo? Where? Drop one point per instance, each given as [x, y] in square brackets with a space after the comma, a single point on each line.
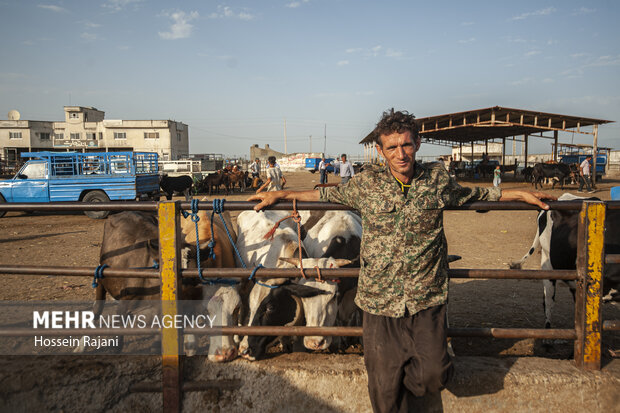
[234, 71]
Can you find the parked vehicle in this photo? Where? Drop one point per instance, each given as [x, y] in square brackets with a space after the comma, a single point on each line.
[83, 177]
[312, 164]
[601, 162]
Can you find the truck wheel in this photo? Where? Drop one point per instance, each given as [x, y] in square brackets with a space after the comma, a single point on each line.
[96, 196]
[2, 201]
[312, 171]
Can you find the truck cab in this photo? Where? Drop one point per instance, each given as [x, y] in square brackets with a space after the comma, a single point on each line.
[312, 164]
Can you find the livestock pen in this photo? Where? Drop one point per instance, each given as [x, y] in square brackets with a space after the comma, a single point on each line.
[588, 321]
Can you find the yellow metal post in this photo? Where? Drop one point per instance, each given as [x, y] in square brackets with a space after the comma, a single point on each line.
[590, 265]
[169, 259]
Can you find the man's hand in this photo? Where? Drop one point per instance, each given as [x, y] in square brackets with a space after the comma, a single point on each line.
[269, 198]
[530, 197]
[266, 198]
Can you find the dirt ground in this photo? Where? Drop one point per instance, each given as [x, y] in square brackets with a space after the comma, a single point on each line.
[488, 240]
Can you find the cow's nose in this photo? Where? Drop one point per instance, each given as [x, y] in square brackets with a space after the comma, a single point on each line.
[315, 343]
[225, 354]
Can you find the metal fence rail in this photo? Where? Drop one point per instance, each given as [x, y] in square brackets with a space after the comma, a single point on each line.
[590, 263]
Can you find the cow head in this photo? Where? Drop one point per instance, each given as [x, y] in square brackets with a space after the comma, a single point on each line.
[282, 306]
[223, 304]
[320, 310]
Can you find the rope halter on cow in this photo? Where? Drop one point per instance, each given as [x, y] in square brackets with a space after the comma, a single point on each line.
[297, 218]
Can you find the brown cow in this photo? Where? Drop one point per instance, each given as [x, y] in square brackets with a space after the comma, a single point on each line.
[131, 240]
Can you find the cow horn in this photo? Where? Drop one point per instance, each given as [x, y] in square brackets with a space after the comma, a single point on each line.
[341, 262]
[293, 261]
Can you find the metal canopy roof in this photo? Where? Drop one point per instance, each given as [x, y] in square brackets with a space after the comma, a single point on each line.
[493, 123]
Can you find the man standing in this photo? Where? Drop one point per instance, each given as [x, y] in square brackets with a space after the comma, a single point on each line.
[346, 170]
[275, 180]
[255, 168]
[323, 170]
[403, 281]
[584, 174]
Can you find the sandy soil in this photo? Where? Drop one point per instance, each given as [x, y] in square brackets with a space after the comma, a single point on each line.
[489, 240]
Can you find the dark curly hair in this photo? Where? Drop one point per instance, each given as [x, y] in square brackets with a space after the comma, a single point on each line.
[395, 122]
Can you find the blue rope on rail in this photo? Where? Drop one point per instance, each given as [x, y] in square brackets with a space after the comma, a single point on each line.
[99, 274]
[251, 278]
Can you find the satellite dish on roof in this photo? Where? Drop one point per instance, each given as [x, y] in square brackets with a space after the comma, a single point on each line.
[14, 115]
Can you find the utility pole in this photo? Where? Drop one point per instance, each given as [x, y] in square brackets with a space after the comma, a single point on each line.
[325, 141]
[285, 151]
[310, 143]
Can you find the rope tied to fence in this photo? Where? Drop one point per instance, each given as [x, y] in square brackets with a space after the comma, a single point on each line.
[251, 278]
[99, 274]
[211, 246]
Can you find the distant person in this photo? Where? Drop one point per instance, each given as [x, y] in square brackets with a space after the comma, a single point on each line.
[451, 166]
[346, 170]
[485, 158]
[255, 168]
[584, 174]
[275, 180]
[323, 171]
[497, 176]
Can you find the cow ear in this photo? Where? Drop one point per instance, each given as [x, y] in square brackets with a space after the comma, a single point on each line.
[293, 261]
[304, 291]
[341, 262]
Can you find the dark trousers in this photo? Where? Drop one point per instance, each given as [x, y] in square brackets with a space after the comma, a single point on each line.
[406, 358]
[323, 179]
[584, 179]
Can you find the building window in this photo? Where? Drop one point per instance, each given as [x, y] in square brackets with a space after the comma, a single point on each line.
[59, 136]
[179, 136]
[75, 136]
[100, 135]
[91, 136]
[45, 136]
[15, 135]
[151, 135]
[120, 135]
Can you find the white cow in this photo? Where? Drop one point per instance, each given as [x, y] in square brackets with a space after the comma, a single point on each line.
[329, 235]
[255, 249]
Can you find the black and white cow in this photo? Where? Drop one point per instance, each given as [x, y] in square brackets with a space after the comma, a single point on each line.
[557, 237]
[558, 172]
[176, 184]
[318, 302]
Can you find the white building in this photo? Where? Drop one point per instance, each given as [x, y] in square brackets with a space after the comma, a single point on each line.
[85, 129]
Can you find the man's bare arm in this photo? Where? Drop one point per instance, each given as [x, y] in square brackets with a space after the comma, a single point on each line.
[270, 198]
[530, 197]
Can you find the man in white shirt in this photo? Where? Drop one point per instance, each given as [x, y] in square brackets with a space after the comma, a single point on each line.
[275, 180]
[346, 170]
[584, 174]
[255, 168]
[323, 170]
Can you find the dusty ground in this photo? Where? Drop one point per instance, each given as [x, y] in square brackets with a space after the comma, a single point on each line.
[489, 240]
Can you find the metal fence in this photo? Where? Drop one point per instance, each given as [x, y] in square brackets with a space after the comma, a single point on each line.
[586, 334]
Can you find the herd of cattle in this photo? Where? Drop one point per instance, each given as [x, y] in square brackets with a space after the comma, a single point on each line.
[328, 240]
[224, 179]
[551, 172]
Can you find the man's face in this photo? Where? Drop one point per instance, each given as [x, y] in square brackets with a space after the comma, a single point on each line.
[399, 151]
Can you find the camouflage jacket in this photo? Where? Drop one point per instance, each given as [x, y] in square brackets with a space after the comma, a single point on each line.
[404, 266]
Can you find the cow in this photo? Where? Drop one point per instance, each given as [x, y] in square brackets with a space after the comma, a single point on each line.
[212, 182]
[527, 173]
[255, 250]
[330, 234]
[237, 178]
[558, 172]
[557, 237]
[131, 240]
[179, 184]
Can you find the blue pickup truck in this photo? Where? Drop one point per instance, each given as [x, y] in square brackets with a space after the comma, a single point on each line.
[83, 177]
[312, 164]
[601, 162]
